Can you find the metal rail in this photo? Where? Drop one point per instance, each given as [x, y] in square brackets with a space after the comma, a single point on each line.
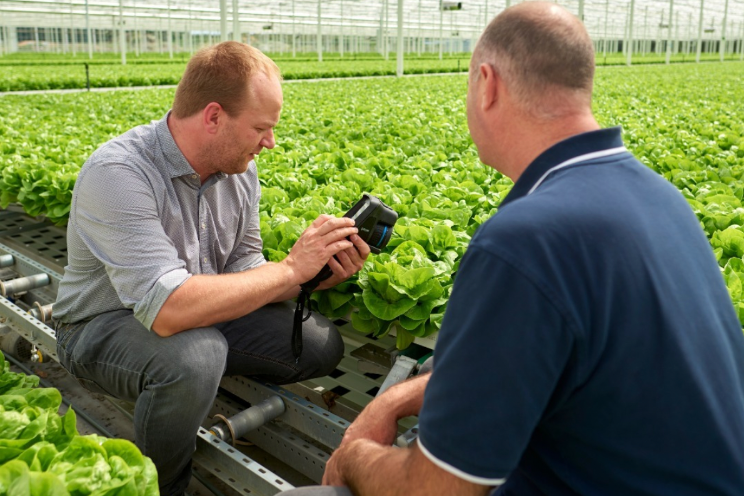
[222, 460]
[282, 443]
[30, 328]
[234, 468]
[317, 423]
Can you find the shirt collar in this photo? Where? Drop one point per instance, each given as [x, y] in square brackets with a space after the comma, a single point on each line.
[175, 161]
[575, 146]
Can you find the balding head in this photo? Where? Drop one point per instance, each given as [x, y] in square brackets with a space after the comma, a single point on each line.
[544, 55]
[221, 73]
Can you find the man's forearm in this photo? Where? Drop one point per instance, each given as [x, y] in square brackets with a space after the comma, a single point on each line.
[405, 398]
[293, 292]
[204, 300]
[371, 469]
[367, 463]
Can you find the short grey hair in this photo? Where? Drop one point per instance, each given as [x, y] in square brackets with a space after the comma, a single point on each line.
[541, 53]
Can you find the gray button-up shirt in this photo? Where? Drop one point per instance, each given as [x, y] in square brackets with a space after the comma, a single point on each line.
[141, 224]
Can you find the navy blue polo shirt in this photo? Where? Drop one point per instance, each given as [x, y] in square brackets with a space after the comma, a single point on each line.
[589, 346]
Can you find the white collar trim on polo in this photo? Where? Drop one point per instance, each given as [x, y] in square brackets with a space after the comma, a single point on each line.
[576, 160]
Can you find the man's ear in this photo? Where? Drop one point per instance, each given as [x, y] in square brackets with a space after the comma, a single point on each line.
[488, 86]
[212, 115]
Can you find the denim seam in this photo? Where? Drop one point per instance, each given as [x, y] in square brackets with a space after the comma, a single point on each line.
[147, 417]
[81, 364]
[71, 334]
[264, 358]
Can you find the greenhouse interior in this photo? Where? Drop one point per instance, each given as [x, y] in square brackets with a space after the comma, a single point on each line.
[350, 27]
[563, 231]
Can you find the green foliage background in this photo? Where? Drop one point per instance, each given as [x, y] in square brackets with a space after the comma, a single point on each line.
[406, 141]
[42, 454]
[44, 71]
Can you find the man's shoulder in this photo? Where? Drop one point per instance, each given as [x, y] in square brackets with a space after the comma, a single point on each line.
[518, 223]
[133, 148]
[135, 140]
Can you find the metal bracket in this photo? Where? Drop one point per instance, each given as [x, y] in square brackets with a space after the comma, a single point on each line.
[403, 367]
[35, 331]
[373, 358]
[407, 438]
[317, 423]
[284, 444]
[234, 468]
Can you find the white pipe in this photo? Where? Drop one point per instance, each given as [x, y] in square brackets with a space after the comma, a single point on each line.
[223, 20]
[319, 37]
[190, 32]
[236, 34]
[386, 37]
[723, 31]
[699, 47]
[399, 69]
[441, 23]
[72, 33]
[689, 34]
[629, 60]
[122, 34]
[420, 37]
[645, 48]
[382, 28]
[604, 43]
[170, 32]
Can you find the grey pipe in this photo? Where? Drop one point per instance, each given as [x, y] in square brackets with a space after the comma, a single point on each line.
[238, 425]
[23, 284]
[6, 260]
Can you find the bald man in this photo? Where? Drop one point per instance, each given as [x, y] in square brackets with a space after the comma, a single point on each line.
[589, 346]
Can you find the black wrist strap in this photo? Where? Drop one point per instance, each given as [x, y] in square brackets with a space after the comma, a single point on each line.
[303, 300]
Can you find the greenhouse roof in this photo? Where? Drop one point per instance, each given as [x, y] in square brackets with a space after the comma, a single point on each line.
[363, 17]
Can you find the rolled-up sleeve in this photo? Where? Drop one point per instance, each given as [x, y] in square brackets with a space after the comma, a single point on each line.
[121, 227]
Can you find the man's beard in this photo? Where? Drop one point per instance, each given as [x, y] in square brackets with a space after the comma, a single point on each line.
[223, 157]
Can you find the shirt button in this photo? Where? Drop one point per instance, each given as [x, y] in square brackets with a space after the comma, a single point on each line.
[193, 176]
[204, 225]
[206, 259]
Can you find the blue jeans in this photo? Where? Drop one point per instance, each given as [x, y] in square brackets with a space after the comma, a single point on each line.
[173, 380]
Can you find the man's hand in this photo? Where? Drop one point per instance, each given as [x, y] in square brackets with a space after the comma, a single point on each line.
[378, 421]
[371, 469]
[346, 263]
[333, 474]
[325, 237]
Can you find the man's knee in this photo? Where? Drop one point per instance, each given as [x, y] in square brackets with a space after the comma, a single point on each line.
[323, 348]
[199, 355]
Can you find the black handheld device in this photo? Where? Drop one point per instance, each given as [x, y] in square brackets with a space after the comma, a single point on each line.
[375, 222]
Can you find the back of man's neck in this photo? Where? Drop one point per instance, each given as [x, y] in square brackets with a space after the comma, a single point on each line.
[535, 139]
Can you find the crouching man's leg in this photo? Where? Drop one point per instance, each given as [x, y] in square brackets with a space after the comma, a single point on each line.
[259, 345]
[172, 380]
